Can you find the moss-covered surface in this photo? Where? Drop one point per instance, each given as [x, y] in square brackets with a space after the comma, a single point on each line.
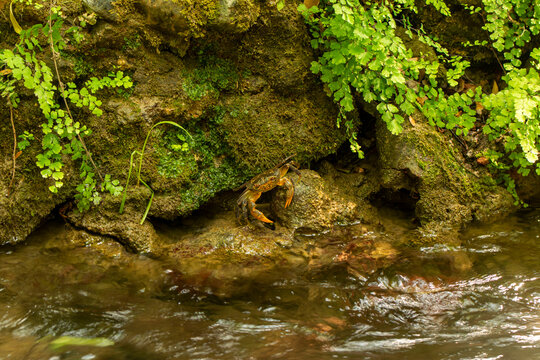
[241, 86]
[451, 193]
[245, 111]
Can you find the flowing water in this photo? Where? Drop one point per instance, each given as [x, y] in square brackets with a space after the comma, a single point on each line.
[480, 300]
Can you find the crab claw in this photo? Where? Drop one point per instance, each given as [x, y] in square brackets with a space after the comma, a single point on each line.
[290, 190]
[258, 214]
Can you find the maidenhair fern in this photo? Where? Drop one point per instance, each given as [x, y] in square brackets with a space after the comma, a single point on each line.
[361, 53]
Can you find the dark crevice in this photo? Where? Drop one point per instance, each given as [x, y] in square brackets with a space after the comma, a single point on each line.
[403, 200]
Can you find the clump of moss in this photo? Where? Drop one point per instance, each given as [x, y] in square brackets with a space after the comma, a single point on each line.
[212, 76]
[175, 158]
[124, 8]
[132, 42]
[246, 13]
[201, 162]
[198, 13]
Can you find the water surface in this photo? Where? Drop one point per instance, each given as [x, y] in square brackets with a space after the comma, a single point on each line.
[480, 300]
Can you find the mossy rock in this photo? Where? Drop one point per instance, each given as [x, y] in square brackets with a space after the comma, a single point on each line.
[270, 107]
[427, 163]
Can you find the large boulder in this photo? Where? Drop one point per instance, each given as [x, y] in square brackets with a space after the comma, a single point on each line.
[320, 203]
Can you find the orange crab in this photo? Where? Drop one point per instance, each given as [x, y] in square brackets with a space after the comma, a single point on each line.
[262, 183]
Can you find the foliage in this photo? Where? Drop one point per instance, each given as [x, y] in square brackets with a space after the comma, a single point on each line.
[141, 155]
[514, 112]
[515, 117]
[62, 135]
[25, 139]
[361, 53]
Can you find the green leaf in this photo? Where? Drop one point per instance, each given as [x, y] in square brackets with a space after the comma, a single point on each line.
[42, 161]
[57, 165]
[395, 127]
[57, 175]
[392, 108]
[56, 148]
[46, 173]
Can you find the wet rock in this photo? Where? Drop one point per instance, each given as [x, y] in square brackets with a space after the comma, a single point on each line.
[105, 220]
[216, 256]
[222, 258]
[316, 204]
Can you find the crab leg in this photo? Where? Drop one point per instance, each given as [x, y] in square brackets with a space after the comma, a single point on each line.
[241, 215]
[290, 189]
[295, 169]
[257, 214]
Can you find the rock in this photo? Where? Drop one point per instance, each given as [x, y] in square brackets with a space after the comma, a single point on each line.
[428, 164]
[318, 204]
[125, 228]
[235, 16]
[104, 8]
[216, 256]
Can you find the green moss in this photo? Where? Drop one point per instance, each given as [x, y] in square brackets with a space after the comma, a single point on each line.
[175, 158]
[202, 163]
[423, 165]
[439, 163]
[81, 66]
[245, 14]
[198, 13]
[212, 76]
[124, 8]
[132, 42]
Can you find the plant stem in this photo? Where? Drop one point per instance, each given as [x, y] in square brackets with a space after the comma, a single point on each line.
[14, 156]
[146, 140]
[127, 182]
[61, 86]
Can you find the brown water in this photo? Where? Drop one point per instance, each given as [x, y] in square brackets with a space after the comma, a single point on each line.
[478, 301]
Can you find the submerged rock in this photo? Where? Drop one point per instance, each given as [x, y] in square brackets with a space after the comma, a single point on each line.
[216, 256]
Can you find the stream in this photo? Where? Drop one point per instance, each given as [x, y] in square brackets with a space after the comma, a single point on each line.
[479, 300]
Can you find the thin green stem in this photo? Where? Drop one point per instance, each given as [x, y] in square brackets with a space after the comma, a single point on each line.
[124, 195]
[14, 157]
[146, 140]
[139, 180]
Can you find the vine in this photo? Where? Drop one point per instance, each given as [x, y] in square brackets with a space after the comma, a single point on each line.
[62, 135]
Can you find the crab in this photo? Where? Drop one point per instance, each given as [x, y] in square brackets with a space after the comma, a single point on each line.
[264, 182]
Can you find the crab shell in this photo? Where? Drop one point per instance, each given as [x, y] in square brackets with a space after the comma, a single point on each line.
[262, 183]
